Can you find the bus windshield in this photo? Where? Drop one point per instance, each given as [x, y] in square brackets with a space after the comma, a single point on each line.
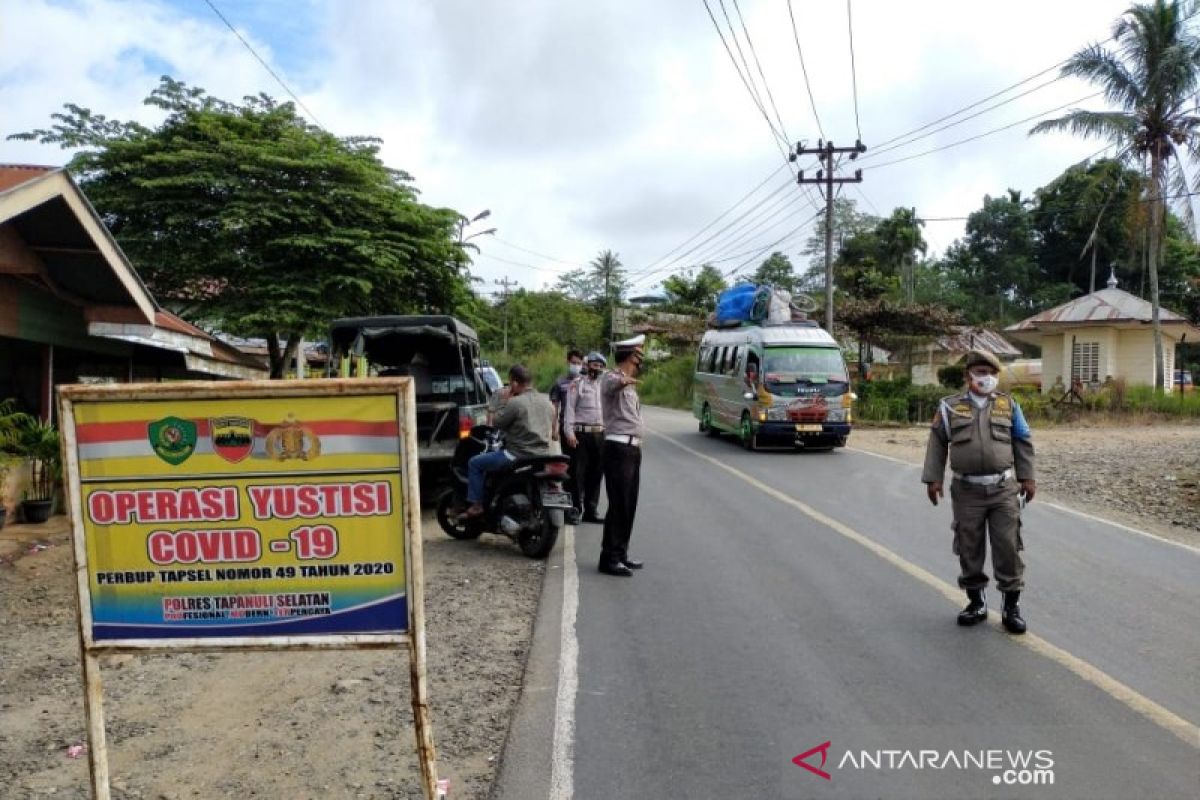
[791, 370]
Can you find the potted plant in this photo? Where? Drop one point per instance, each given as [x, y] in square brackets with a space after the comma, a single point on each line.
[39, 445]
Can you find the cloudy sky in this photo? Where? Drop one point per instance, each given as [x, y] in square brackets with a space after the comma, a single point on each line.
[585, 126]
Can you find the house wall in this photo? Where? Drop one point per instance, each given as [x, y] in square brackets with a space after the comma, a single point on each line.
[1055, 363]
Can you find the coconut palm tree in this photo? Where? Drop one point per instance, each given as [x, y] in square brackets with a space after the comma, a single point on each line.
[1150, 77]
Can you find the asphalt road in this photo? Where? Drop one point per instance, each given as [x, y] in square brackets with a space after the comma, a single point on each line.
[794, 599]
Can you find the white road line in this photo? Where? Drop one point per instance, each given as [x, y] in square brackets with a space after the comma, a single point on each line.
[1157, 714]
[1059, 506]
[562, 780]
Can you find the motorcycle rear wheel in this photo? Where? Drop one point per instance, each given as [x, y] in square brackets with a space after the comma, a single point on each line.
[447, 517]
[536, 541]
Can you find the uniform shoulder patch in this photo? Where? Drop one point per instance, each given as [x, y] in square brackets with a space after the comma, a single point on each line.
[1002, 404]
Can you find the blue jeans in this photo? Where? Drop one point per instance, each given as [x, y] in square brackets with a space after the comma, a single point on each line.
[478, 468]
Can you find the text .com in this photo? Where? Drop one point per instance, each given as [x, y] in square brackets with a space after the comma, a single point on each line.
[1010, 767]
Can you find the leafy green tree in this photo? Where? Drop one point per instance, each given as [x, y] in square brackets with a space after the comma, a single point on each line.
[900, 245]
[776, 271]
[536, 320]
[848, 223]
[256, 223]
[1151, 75]
[694, 291]
[995, 263]
[1084, 221]
[578, 284]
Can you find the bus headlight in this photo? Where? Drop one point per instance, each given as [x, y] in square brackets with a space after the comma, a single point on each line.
[837, 415]
[777, 413]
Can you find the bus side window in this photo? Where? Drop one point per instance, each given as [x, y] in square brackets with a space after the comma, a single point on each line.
[732, 362]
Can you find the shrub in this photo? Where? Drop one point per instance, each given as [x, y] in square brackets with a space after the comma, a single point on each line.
[952, 376]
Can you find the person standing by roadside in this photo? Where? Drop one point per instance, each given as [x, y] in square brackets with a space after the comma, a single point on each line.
[991, 456]
[583, 432]
[622, 455]
[558, 398]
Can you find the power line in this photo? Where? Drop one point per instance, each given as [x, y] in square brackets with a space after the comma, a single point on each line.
[1003, 91]
[645, 275]
[750, 42]
[986, 133]
[753, 94]
[717, 219]
[767, 223]
[853, 69]
[266, 66]
[520, 264]
[884, 149]
[536, 253]
[804, 69]
[717, 233]
[775, 243]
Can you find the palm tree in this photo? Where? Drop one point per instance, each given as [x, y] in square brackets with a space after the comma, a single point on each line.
[1150, 77]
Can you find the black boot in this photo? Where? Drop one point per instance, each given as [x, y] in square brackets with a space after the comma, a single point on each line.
[1012, 619]
[976, 610]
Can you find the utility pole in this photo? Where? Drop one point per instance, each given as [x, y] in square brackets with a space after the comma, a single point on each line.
[505, 284]
[825, 151]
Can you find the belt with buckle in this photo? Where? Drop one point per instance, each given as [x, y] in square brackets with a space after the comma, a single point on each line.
[581, 428]
[624, 438]
[984, 480]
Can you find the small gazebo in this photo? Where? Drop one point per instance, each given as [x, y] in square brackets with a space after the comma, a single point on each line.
[1102, 335]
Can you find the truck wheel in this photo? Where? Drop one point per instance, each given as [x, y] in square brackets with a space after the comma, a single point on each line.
[447, 517]
[706, 423]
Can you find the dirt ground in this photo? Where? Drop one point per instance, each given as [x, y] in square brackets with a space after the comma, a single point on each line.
[1145, 476]
[263, 725]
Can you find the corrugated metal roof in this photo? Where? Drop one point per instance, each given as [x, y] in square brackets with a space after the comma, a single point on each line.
[965, 338]
[1106, 306]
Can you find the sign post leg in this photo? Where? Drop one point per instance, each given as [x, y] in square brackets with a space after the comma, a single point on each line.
[97, 744]
[420, 707]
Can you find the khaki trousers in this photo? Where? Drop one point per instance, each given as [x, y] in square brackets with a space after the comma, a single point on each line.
[982, 513]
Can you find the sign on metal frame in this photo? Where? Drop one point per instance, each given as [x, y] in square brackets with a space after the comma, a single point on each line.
[256, 515]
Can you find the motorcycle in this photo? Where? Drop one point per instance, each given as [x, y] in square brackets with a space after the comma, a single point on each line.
[524, 501]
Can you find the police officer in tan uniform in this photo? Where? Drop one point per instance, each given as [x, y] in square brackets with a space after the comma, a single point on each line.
[622, 455]
[991, 456]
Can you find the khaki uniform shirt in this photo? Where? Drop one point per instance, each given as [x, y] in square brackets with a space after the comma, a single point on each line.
[622, 409]
[526, 421]
[981, 440]
[583, 406]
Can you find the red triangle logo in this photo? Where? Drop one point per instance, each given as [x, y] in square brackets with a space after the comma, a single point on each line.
[823, 749]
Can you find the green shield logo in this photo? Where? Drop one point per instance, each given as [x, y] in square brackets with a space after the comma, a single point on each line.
[173, 439]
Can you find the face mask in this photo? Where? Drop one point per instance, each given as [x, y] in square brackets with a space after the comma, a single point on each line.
[985, 384]
[594, 372]
[575, 369]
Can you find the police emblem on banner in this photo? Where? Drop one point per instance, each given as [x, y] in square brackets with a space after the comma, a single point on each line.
[173, 439]
[232, 437]
[291, 440]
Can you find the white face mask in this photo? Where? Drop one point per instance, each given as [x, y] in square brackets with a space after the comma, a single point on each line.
[575, 369]
[984, 384]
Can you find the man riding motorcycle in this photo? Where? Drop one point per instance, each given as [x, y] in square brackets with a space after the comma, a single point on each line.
[526, 418]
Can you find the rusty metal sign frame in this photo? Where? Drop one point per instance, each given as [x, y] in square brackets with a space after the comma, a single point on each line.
[412, 641]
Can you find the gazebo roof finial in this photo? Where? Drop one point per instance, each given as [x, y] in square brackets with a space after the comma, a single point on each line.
[1112, 277]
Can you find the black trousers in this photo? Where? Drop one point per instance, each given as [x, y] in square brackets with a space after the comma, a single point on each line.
[588, 469]
[571, 484]
[622, 476]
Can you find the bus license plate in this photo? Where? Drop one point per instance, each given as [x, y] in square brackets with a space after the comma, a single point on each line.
[808, 429]
[556, 500]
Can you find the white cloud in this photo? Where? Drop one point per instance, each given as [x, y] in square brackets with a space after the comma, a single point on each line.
[615, 125]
